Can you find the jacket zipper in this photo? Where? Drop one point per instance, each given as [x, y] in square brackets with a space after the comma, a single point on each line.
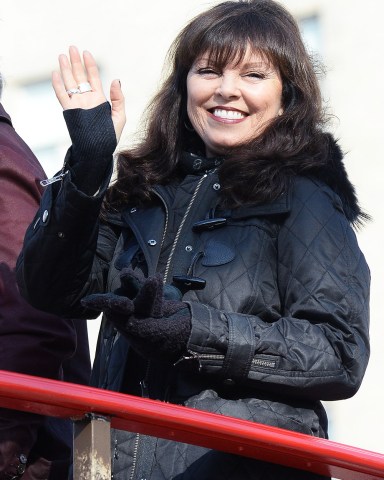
[178, 233]
[134, 461]
[143, 383]
[166, 218]
[256, 362]
[56, 178]
[144, 394]
[107, 358]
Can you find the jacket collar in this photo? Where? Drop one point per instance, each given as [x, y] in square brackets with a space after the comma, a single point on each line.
[4, 117]
[280, 206]
[332, 172]
[192, 163]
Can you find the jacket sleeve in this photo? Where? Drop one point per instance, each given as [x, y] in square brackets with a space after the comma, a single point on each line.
[31, 342]
[66, 251]
[319, 347]
[20, 173]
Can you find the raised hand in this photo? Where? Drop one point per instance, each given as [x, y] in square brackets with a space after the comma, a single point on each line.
[78, 85]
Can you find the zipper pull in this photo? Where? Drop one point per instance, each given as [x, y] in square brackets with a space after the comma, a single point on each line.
[192, 356]
[49, 181]
[144, 389]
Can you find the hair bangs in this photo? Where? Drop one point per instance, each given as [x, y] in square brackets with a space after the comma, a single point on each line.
[229, 41]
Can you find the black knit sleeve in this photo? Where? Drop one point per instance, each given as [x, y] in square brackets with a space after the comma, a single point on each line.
[93, 143]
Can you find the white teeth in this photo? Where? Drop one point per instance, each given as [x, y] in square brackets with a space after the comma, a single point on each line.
[229, 114]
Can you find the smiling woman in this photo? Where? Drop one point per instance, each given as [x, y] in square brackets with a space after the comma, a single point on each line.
[223, 256]
[232, 104]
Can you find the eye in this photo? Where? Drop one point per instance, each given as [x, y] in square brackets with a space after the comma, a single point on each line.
[255, 75]
[208, 72]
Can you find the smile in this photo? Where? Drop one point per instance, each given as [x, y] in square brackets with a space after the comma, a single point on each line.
[227, 114]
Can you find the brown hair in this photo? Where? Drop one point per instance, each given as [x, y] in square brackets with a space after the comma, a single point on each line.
[225, 31]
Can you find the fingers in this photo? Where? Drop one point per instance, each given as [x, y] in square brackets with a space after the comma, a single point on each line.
[92, 72]
[60, 91]
[108, 303]
[69, 66]
[118, 107]
[131, 282]
[75, 71]
[149, 300]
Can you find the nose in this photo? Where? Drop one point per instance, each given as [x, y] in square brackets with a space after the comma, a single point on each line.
[228, 87]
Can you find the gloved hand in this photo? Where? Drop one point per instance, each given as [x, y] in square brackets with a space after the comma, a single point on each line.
[156, 327]
[133, 280]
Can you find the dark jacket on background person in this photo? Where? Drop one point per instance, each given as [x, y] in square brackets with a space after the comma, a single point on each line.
[281, 324]
[31, 341]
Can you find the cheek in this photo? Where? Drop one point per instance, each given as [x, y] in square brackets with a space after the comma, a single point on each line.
[193, 109]
[190, 106]
[190, 91]
[269, 102]
[192, 98]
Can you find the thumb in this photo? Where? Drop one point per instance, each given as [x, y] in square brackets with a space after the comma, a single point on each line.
[118, 107]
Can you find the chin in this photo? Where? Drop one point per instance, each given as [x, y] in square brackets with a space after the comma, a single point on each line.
[219, 149]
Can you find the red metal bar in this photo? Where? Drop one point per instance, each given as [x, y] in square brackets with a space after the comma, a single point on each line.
[61, 399]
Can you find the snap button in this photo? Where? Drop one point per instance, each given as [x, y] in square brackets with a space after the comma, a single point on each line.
[45, 216]
[20, 469]
[189, 248]
[229, 381]
[216, 186]
[152, 243]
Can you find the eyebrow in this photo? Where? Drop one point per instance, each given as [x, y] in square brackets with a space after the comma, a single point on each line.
[258, 64]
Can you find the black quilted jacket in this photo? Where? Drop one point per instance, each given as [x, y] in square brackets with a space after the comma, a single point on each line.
[281, 324]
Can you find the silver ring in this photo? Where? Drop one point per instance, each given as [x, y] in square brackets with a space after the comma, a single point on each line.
[84, 87]
[72, 91]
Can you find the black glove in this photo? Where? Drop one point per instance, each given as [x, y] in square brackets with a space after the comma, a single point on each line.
[133, 280]
[155, 326]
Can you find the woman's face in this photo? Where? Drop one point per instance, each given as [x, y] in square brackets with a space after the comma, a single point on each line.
[230, 106]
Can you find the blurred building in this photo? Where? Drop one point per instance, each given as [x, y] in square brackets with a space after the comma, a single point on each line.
[129, 41]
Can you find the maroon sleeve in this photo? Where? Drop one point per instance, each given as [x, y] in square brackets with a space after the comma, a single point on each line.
[31, 341]
[20, 174]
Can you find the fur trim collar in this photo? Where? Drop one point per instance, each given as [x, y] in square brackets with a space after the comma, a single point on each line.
[331, 170]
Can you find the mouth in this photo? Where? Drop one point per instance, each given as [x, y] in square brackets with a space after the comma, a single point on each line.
[226, 114]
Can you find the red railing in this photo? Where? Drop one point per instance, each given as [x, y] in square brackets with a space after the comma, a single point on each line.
[126, 412]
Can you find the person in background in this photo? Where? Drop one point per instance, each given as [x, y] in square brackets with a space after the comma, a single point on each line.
[32, 447]
[223, 256]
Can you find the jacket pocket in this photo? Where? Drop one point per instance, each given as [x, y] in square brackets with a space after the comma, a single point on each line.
[302, 417]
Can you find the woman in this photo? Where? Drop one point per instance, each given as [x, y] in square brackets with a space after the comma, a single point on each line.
[223, 256]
